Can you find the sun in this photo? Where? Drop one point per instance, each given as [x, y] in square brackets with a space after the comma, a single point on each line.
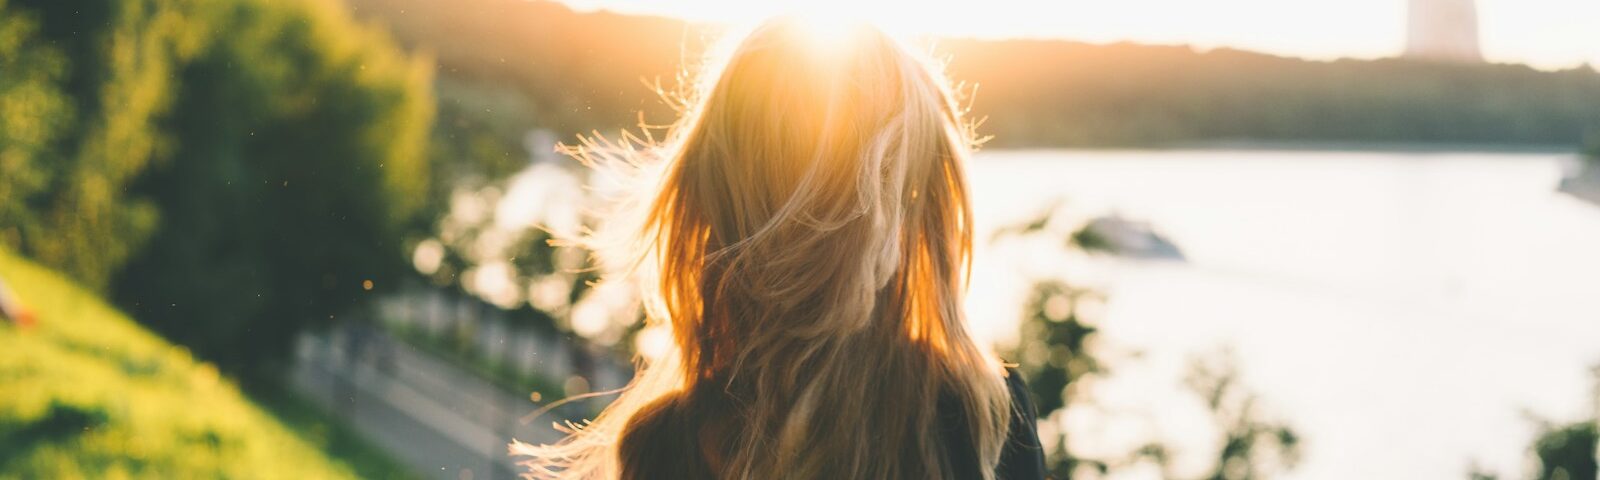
[828, 33]
[828, 20]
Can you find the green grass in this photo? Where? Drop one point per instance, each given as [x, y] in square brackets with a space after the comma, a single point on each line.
[87, 393]
[313, 425]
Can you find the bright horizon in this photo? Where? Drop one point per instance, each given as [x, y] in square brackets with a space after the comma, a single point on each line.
[1545, 34]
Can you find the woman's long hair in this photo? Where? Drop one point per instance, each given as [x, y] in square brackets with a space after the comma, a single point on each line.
[805, 237]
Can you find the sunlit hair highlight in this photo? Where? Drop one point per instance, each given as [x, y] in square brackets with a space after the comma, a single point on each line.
[804, 231]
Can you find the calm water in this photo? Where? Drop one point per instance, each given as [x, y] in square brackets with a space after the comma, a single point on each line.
[1403, 310]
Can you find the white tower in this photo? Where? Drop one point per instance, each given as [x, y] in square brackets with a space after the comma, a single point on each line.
[1443, 30]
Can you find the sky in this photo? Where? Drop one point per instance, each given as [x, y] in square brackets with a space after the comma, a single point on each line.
[1547, 34]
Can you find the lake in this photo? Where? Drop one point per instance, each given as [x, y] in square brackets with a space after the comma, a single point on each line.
[1405, 311]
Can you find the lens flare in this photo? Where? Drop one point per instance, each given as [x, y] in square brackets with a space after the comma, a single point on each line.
[828, 33]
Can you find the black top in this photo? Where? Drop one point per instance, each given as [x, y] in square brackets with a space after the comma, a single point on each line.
[1022, 458]
[666, 442]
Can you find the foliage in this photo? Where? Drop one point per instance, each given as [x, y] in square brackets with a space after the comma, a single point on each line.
[1567, 452]
[33, 114]
[583, 70]
[111, 64]
[1059, 357]
[300, 157]
[1039, 92]
[1592, 147]
[86, 393]
[257, 201]
[1062, 354]
[479, 136]
[509, 243]
[1055, 360]
[579, 71]
[1570, 451]
[1253, 447]
[1562, 451]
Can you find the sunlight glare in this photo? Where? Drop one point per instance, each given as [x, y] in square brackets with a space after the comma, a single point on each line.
[826, 32]
[830, 20]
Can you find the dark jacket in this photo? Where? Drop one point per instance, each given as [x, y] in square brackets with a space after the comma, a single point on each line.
[668, 442]
[1022, 458]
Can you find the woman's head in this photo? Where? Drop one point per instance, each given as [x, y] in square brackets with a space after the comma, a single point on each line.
[815, 174]
[805, 237]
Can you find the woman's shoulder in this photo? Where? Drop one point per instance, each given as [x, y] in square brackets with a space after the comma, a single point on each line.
[1021, 399]
[1022, 457]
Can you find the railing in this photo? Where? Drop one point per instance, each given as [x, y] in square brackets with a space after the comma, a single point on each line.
[444, 382]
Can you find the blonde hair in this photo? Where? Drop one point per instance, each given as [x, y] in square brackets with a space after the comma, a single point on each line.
[805, 236]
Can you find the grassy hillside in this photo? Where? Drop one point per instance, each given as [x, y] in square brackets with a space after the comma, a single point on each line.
[87, 393]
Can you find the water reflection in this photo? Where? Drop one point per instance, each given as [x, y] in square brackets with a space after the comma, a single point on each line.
[1369, 295]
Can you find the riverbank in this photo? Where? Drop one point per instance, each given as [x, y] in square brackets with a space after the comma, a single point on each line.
[1583, 181]
[1339, 146]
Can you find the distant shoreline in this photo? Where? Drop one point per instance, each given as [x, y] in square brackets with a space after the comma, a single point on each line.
[1357, 146]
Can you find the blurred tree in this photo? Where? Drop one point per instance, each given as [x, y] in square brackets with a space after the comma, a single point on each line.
[1054, 357]
[231, 171]
[34, 114]
[1478, 472]
[580, 71]
[1571, 451]
[1567, 452]
[1253, 447]
[530, 262]
[1060, 353]
[1562, 451]
[480, 137]
[1044, 92]
[298, 156]
[118, 59]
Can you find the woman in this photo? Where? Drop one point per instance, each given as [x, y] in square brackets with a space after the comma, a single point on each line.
[806, 239]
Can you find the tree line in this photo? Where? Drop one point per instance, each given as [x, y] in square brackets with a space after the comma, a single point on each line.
[583, 71]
